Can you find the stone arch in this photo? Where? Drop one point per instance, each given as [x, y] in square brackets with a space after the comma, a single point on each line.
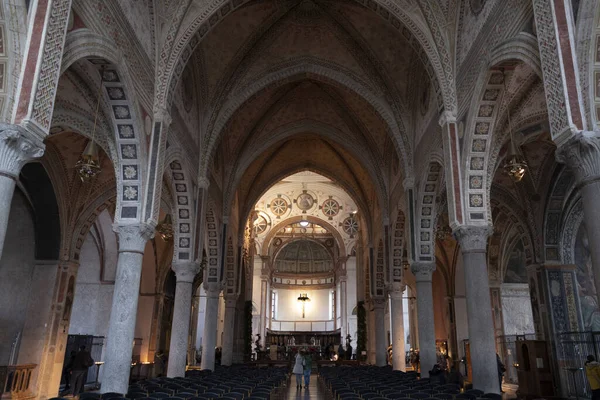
[572, 222]
[264, 250]
[308, 68]
[522, 47]
[560, 191]
[178, 49]
[589, 60]
[101, 54]
[355, 197]
[15, 38]
[431, 185]
[398, 249]
[288, 131]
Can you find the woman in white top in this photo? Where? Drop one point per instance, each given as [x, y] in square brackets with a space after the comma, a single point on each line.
[299, 369]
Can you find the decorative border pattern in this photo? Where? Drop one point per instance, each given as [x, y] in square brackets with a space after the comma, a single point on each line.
[398, 248]
[212, 234]
[379, 290]
[183, 218]
[230, 270]
[427, 213]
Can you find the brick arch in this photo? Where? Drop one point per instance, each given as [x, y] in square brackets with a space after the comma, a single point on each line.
[396, 269]
[178, 48]
[431, 186]
[117, 94]
[308, 68]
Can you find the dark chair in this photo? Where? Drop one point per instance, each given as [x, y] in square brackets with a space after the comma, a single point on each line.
[160, 395]
[465, 396]
[419, 396]
[90, 395]
[492, 396]
[443, 396]
[109, 395]
[475, 392]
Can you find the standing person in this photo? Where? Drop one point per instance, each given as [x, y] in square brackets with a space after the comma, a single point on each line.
[83, 360]
[501, 371]
[341, 352]
[307, 369]
[68, 369]
[299, 369]
[592, 371]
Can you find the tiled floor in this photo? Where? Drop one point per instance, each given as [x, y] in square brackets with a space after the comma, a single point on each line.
[314, 391]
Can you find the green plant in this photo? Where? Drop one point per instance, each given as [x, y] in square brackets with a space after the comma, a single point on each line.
[248, 328]
[361, 319]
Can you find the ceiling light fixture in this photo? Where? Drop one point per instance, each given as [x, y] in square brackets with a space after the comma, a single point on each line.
[515, 165]
[304, 223]
[88, 165]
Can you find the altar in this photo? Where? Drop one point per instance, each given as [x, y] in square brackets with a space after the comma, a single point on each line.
[285, 345]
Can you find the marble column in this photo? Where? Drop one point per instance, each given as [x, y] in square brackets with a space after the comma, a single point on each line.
[582, 155]
[185, 273]
[343, 307]
[17, 147]
[228, 329]
[397, 312]
[482, 343]
[121, 328]
[423, 272]
[264, 300]
[211, 316]
[413, 322]
[380, 334]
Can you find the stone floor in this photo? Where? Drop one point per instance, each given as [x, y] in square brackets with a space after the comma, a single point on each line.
[315, 390]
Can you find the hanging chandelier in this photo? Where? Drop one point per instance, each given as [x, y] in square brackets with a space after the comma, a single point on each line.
[515, 165]
[165, 228]
[88, 165]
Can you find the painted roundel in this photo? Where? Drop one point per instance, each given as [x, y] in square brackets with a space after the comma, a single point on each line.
[278, 206]
[350, 226]
[260, 225]
[330, 207]
[305, 201]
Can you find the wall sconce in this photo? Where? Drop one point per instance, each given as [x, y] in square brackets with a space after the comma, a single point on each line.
[303, 298]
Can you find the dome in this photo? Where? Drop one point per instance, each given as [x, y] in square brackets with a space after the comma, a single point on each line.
[303, 257]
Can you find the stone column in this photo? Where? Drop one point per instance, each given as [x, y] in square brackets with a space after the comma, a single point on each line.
[228, 330]
[380, 336]
[473, 243]
[397, 312]
[582, 155]
[209, 339]
[17, 147]
[119, 344]
[264, 300]
[180, 328]
[413, 322]
[423, 273]
[343, 307]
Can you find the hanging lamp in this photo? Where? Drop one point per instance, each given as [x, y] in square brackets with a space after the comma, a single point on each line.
[88, 165]
[515, 165]
[165, 228]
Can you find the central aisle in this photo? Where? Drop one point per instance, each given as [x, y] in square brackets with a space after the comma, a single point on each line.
[314, 391]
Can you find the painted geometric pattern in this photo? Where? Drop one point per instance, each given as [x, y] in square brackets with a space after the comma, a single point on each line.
[552, 223]
[551, 66]
[379, 271]
[479, 139]
[49, 70]
[212, 270]
[427, 214]
[397, 248]
[128, 144]
[230, 270]
[184, 214]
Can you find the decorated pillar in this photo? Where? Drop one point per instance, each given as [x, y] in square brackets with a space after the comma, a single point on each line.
[228, 329]
[423, 272]
[211, 316]
[397, 312]
[185, 274]
[17, 147]
[473, 244]
[57, 330]
[119, 344]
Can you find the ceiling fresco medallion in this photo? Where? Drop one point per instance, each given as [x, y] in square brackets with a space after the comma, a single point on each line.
[330, 208]
[305, 201]
[278, 206]
[350, 226]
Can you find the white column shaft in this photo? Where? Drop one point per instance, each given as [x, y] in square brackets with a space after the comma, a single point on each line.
[180, 329]
[398, 345]
[209, 340]
[426, 326]
[228, 333]
[380, 336]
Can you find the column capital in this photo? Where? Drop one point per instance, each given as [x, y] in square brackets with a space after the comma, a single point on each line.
[473, 238]
[408, 182]
[378, 303]
[212, 289]
[17, 147]
[133, 238]
[395, 290]
[581, 153]
[203, 182]
[186, 271]
[447, 117]
[423, 271]
[164, 116]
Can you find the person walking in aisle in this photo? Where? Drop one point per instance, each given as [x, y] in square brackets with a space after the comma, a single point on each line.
[307, 369]
[299, 369]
